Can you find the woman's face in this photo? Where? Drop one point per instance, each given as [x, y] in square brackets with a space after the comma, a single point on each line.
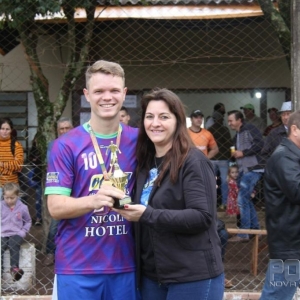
[160, 124]
[5, 131]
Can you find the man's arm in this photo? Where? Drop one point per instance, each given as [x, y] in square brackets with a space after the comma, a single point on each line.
[212, 152]
[66, 207]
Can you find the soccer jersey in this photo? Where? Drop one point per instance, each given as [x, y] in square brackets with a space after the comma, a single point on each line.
[99, 242]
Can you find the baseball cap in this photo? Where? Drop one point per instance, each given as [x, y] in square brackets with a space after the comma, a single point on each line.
[247, 106]
[286, 106]
[272, 109]
[196, 113]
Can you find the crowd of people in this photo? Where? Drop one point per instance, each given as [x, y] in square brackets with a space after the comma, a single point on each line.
[164, 239]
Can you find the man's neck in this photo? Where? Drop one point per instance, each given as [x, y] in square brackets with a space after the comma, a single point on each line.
[195, 129]
[105, 127]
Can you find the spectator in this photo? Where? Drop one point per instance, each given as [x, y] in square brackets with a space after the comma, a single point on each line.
[175, 207]
[248, 143]
[219, 111]
[124, 115]
[275, 118]
[94, 257]
[221, 160]
[35, 181]
[282, 200]
[251, 118]
[15, 224]
[11, 154]
[64, 125]
[276, 135]
[201, 137]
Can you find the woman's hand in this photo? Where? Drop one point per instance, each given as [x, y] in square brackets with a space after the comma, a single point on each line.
[131, 212]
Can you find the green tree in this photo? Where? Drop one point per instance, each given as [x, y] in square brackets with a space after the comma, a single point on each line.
[20, 15]
[281, 21]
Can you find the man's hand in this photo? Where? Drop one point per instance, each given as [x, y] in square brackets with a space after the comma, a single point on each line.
[237, 154]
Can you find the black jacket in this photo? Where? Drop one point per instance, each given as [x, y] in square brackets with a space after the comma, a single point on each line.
[182, 222]
[282, 199]
[273, 140]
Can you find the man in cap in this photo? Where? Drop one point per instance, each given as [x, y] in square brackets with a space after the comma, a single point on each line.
[219, 109]
[251, 118]
[276, 135]
[201, 137]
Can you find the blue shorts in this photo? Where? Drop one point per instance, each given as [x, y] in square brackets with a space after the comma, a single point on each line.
[96, 287]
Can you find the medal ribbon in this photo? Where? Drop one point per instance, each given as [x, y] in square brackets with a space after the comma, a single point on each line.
[98, 152]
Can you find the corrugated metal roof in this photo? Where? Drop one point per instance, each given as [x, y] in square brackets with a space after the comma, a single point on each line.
[165, 2]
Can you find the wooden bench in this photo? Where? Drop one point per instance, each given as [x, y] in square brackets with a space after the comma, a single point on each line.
[255, 251]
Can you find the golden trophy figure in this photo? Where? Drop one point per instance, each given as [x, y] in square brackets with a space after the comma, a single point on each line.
[119, 180]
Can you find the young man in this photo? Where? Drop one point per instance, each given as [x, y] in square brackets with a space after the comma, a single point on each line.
[94, 256]
[124, 115]
[282, 200]
[248, 143]
[201, 137]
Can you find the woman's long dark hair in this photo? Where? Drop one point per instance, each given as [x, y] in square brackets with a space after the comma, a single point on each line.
[181, 144]
[13, 134]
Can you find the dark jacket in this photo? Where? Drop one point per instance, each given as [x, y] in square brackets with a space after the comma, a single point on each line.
[249, 140]
[273, 140]
[223, 138]
[282, 200]
[182, 223]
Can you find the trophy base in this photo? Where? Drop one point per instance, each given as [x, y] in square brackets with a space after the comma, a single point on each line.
[119, 203]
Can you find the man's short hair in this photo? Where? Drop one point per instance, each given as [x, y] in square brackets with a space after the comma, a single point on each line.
[104, 67]
[237, 114]
[218, 106]
[125, 109]
[64, 119]
[294, 119]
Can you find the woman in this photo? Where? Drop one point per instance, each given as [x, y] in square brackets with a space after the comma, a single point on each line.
[11, 154]
[178, 248]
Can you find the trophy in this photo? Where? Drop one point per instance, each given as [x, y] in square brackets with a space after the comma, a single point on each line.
[119, 180]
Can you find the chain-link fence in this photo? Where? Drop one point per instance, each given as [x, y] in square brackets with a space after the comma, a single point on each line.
[208, 53]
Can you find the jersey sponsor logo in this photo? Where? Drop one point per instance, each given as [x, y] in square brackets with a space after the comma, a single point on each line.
[52, 177]
[95, 185]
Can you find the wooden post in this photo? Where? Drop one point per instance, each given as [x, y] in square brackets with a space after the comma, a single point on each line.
[295, 57]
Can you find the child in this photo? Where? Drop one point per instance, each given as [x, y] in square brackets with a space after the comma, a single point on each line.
[232, 206]
[15, 223]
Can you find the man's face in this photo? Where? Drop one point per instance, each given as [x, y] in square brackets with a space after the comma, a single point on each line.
[124, 117]
[197, 121]
[248, 112]
[233, 123]
[273, 116]
[222, 110]
[63, 127]
[285, 117]
[106, 94]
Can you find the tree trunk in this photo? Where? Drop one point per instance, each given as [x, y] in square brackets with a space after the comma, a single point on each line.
[278, 22]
